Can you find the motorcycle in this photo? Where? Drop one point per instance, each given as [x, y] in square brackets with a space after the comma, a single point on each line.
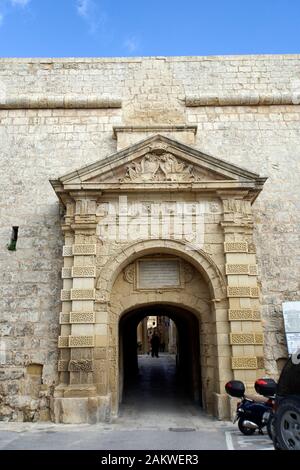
[267, 388]
[251, 414]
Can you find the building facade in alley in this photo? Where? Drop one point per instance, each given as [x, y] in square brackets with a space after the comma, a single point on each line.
[139, 187]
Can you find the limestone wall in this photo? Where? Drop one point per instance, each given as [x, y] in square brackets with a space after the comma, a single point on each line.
[230, 99]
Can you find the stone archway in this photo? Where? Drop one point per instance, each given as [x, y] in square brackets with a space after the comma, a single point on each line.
[219, 196]
[197, 297]
[198, 258]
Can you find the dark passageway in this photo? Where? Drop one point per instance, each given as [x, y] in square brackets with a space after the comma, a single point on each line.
[156, 399]
[157, 384]
[165, 384]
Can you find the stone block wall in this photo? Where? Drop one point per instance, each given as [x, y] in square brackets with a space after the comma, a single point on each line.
[57, 115]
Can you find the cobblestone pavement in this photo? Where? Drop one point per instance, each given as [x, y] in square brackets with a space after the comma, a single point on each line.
[156, 414]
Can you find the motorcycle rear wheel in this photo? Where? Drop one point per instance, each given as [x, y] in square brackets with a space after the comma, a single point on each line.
[243, 429]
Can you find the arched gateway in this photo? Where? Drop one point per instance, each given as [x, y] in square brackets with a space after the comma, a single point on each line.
[158, 226]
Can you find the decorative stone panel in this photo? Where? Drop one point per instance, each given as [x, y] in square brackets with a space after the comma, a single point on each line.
[66, 273]
[82, 317]
[67, 250]
[246, 338]
[188, 272]
[242, 291]
[129, 273]
[253, 270]
[83, 365]
[62, 366]
[239, 291]
[63, 341]
[254, 292]
[244, 362]
[236, 247]
[259, 338]
[243, 314]
[81, 341]
[260, 362]
[65, 295]
[250, 269]
[251, 248]
[64, 318]
[82, 294]
[84, 250]
[256, 315]
[83, 271]
[237, 268]
[242, 338]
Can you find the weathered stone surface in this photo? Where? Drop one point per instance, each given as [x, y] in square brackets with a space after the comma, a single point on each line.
[239, 118]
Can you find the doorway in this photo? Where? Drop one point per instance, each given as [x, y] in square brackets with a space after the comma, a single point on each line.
[171, 380]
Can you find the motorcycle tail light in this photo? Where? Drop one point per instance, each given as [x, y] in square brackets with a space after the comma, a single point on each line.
[261, 382]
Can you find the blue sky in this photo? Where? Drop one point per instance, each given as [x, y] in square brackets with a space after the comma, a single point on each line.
[60, 28]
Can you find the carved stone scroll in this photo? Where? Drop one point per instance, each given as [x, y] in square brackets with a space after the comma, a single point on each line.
[188, 272]
[129, 273]
[164, 167]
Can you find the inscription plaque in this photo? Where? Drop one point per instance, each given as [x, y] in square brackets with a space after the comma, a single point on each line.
[158, 273]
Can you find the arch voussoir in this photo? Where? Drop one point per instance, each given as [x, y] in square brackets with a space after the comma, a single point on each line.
[198, 258]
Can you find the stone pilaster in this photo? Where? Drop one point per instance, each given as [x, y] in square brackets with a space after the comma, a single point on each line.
[80, 332]
[246, 333]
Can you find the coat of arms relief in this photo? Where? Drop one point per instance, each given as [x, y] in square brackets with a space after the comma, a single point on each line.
[163, 167]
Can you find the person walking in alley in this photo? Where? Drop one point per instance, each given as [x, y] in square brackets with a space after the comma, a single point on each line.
[155, 344]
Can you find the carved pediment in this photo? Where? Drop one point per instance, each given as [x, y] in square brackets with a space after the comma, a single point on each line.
[158, 165]
[155, 163]
[165, 167]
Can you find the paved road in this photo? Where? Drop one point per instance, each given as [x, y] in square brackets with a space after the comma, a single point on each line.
[156, 414]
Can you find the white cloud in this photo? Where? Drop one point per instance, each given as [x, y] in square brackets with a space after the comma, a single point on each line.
[131, 44]
[6, 5]
[21, 3]
[90, 12]
[83, 7]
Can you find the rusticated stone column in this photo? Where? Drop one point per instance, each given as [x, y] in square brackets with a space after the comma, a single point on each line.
[246, 333]
[80, 396]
